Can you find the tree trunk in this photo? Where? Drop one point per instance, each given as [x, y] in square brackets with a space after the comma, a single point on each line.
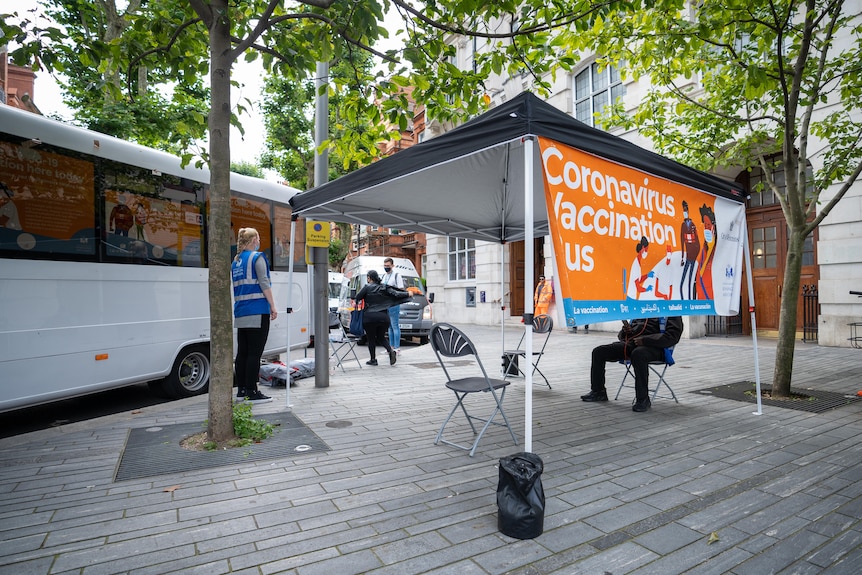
[220, 423]
[787, 318]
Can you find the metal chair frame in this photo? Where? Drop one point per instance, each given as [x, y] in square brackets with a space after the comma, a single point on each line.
[653, 366]
[542, 324]
[448, 341]
[343, 345]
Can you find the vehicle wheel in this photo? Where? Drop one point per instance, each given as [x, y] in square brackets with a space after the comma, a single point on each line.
[423, 339]
[190, 374]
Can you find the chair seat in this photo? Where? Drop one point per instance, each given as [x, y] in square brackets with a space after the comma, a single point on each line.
[520, 352]
[474, 384]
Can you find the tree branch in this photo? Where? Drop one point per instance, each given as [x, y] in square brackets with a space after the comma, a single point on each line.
[134, 61]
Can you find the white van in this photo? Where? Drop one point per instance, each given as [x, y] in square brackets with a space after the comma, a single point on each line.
[415, 319]
[334, 289]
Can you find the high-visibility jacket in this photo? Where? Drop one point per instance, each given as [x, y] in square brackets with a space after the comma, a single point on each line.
[542, 298]
[248, 297]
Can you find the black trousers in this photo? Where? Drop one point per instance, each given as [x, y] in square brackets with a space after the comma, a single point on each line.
[640, 356]
[376, 324]
[250, 342]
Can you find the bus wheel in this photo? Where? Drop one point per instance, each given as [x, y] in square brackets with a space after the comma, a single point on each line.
[190, 374]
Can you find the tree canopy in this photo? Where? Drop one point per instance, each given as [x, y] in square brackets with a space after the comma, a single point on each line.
[181, 41]
[736, 84]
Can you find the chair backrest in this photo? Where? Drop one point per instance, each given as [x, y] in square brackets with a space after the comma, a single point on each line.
[668, 351]
[449, 341]
[542, 323]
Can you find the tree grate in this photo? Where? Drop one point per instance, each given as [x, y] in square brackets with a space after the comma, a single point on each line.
[811, 400]
[156, 450]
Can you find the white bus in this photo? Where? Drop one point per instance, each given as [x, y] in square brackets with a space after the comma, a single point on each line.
[103, 277]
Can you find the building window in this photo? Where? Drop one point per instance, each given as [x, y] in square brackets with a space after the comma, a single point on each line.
[595, 88]
[462, 259]
[761, 194]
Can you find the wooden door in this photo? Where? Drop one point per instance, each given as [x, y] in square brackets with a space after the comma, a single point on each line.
[767, 234]
[517, 260]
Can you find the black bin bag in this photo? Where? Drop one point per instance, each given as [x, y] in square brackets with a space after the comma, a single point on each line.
[510, 364]
[520, 497]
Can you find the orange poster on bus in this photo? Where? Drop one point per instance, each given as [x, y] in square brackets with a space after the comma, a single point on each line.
[630, 244]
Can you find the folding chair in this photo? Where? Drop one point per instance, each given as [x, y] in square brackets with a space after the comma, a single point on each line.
[448, 341]
[342, 343]
[542, 324]
[653, 366]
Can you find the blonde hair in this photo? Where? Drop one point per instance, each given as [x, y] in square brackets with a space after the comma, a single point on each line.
[244, 238]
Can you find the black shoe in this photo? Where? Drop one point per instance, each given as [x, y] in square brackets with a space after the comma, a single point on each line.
[595, 396]
[641, 405]
[257, 397]
[240, 393]
[392, 357]
[371, 362]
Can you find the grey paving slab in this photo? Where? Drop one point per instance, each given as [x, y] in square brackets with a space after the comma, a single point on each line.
[626, 492]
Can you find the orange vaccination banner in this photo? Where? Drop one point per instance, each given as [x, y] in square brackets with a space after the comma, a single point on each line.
[629, 244]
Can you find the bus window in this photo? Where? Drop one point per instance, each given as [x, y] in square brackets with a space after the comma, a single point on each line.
[246, 212]
[46, 203]
[150, 218]
[281, 231]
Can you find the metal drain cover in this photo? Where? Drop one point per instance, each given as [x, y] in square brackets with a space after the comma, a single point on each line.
[339, 423]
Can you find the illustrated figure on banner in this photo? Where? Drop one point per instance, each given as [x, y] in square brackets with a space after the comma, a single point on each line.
[141, 216]
[8, 211]
[707, 253]
[121, 218]
[663, 276]
[636, 282]
[690, 251]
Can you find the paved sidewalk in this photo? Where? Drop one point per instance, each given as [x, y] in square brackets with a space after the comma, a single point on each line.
[703, 486]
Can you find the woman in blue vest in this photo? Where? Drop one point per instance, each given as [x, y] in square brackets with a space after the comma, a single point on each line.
[253, 309]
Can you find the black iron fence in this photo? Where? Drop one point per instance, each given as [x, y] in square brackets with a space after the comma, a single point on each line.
[726, 326]
[810, 312]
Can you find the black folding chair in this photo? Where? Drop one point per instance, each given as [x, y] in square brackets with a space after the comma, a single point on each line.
[542, 324]
[447, 341]
[342, 343]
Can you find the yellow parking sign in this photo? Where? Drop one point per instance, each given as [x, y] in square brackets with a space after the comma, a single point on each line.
[317, 234]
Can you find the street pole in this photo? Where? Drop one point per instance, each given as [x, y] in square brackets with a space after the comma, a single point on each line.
[320, 256]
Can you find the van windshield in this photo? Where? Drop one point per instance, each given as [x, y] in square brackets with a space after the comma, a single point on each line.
[413, 285]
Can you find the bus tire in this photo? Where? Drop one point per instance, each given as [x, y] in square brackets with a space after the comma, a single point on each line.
[190, 374]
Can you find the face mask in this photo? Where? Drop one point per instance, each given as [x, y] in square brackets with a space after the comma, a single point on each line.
[707, 236]
[387, 270]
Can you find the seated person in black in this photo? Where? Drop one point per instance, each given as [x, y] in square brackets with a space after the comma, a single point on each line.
[640, 342]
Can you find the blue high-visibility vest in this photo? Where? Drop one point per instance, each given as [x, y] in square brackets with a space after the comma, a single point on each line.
[248, 298]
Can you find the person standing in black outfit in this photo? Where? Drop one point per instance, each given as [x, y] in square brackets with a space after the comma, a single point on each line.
[376, 317]
[640, 342]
